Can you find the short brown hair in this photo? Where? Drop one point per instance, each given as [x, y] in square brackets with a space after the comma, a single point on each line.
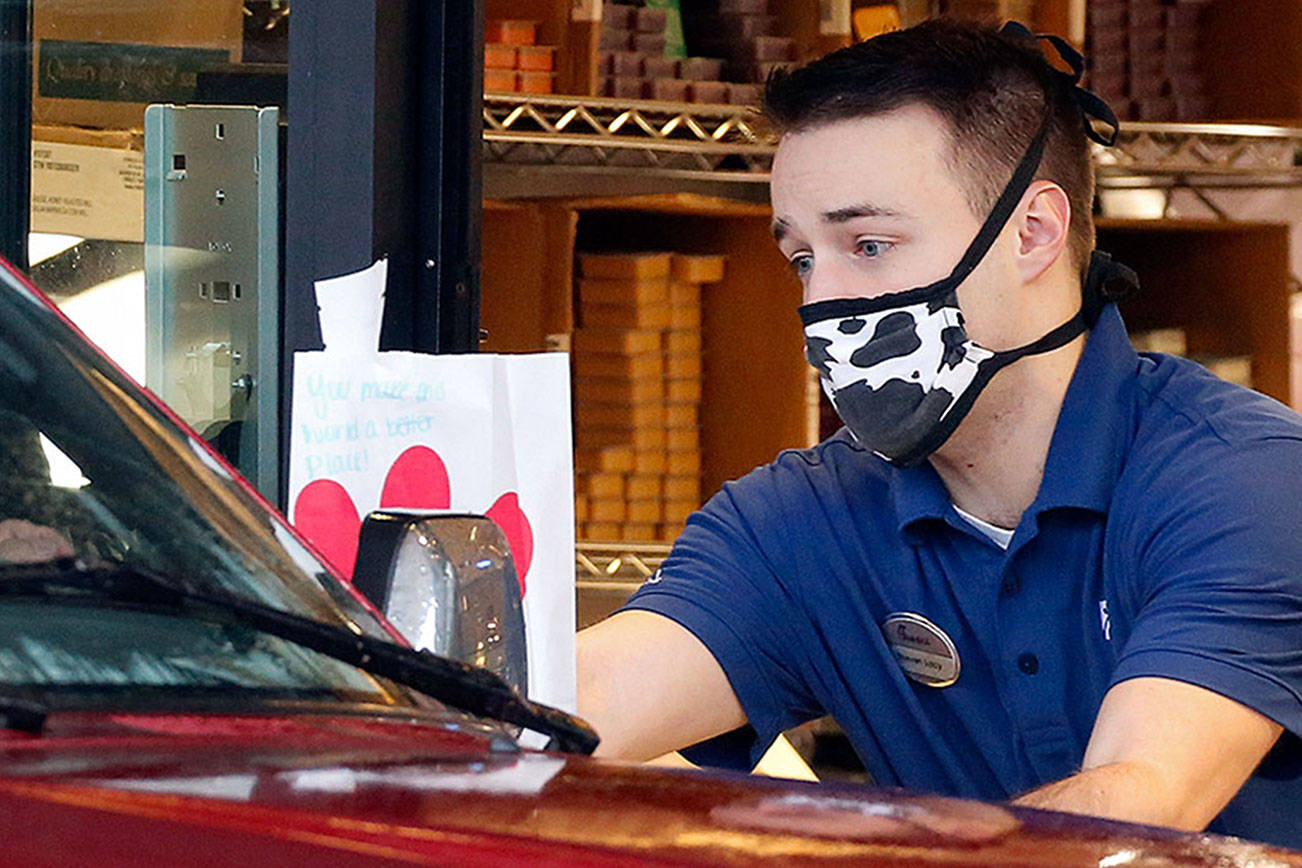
[990, 88]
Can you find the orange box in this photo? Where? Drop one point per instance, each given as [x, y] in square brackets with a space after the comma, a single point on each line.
[648, 316]
[607, 509]
[683, 390]
[682, 365]
[500, 80]
[680, 464]
[643, 487]
[619, 391]
[499, 56]
[603, 365]
[641, 532]
[677, 511]
[537, 82]
[645, 511]
[681, 416]
[682, 341]
[629, 342]
[682, 440]
[683, 294]
[617, 416]
[612, 459]
[641, 439]
[540, 58]
[600, 530]
[685, 318]
[649, 462]
[682, 488]
[510, 32]
[601, 291]
[668, 532]
[596, 485]
[697, 269]
[625, 266]
[580, 508]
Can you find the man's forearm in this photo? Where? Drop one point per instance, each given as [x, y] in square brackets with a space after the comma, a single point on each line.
[1134, 792]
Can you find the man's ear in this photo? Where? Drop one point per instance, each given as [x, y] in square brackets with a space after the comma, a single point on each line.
[1043, 227]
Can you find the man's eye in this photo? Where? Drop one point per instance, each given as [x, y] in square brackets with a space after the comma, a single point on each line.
[873, 249]
[802, 265]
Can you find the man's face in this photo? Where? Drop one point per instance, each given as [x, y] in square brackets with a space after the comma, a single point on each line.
[870, 206]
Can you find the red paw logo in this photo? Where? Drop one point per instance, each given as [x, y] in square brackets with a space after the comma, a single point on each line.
[325, 513]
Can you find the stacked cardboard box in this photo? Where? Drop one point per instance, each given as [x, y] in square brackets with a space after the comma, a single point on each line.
[991, 10]
[513, 61]
[636, 63]
[637, 388]
[745, 35]
[1143, 58]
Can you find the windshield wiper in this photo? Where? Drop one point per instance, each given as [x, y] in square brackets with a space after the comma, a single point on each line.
[469, 688]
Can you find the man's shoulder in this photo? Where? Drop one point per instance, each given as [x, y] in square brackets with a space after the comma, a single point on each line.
[1196, 430]
[822, 470]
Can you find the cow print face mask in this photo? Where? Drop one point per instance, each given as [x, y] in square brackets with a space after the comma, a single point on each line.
[900, 368]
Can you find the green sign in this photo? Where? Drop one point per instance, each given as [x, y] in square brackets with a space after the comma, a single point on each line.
[120, 72]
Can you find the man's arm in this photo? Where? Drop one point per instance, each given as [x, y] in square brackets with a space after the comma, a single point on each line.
[1163, 752]
[649, 686]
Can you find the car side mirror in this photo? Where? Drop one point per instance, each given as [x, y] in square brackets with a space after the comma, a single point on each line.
[447, 582]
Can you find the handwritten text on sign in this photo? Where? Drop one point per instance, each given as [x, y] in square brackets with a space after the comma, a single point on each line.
[348, 413]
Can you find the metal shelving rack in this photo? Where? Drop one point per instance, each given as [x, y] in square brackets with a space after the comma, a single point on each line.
[556, 146]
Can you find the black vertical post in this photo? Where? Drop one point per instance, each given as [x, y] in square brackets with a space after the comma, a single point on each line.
[450, 178]
[385, 128]
[15, 128]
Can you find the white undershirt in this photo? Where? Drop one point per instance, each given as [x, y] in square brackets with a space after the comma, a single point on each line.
[1000, 536]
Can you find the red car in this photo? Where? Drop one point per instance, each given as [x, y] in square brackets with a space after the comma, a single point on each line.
[183, 681]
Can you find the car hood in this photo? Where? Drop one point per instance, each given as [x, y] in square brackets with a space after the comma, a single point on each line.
[375, 789]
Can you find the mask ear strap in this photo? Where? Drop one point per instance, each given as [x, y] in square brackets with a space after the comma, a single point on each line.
[1003, 209]
[1091, 105]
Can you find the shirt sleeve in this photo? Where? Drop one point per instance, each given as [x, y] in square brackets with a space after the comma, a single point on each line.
[1218, 597]
[719, 585]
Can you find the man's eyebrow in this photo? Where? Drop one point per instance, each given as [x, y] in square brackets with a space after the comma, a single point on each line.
[853, 212]
[780, 229]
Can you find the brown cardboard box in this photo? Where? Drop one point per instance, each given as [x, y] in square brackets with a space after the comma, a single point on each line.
[611, 459]
[681, 416]
[627, 342]
[648, 415]
[645, 511]
[697, 269]
[641, 439]
[683, 464]
[650, 316]
[649, 461]
[682, 341]
[641, 532]
[599, 530]
[682, 439]
[643, 487]
[89, 183]
[633, 292]
[604, 509]
[682, 365]
[677, 511]
[624, 266]
[597, 485]
[99, 64]
[683, 390]
[618, 391]
[580, 508]
[597, 365]
[683, 488]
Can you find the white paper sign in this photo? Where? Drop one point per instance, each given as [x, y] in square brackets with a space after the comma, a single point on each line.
[479, 433]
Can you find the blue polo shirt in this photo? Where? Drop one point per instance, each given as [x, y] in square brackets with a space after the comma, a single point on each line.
[1165, 540]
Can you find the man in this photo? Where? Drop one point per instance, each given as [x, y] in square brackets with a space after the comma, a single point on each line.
[1035, 564]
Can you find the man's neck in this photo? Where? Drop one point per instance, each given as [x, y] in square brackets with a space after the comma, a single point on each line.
[994, 463]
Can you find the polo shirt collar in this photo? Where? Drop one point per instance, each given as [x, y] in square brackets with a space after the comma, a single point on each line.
[1088, 445]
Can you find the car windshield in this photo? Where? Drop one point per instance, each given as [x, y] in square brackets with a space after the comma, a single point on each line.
[90, 469]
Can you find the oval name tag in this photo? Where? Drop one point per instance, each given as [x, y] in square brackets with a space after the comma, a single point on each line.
[924, 651]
